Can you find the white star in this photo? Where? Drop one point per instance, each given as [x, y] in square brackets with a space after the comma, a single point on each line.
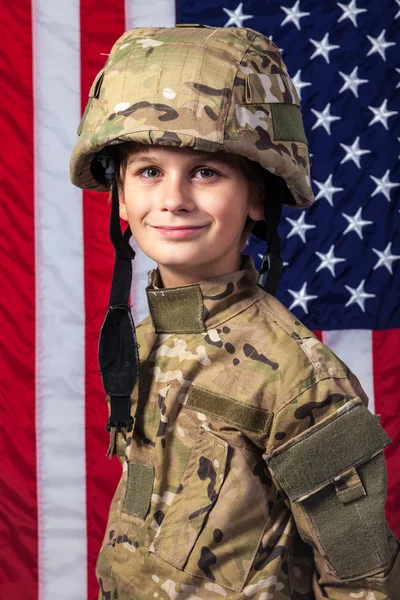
[236, 17]
[356, 223]
[324, 118]
[398, 70]
[353, 152]
[299, 227]
[326, 190]
[293, 15]
[323, 47]
[329, 260]
[383, 186]
[358, 296]
[379, 44]
[381, 114]
[350, 12]
[351, 82]
[398, 14]
[299, 84]
[301, 298]
[385, 258]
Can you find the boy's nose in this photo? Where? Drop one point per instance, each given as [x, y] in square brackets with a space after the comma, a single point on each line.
[175, 195]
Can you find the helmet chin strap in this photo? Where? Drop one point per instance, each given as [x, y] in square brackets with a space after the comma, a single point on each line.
[267, 230]
[118, 349]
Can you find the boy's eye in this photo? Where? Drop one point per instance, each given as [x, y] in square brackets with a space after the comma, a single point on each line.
[207, 170]
[149, 169]
[152, 172]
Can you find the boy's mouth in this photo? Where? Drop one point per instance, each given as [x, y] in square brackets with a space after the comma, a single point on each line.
[179, 231]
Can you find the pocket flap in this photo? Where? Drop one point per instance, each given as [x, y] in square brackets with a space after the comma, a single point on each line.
[316, 458]
[270, 88]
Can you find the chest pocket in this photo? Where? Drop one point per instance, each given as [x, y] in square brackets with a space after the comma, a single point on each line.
[214, 525]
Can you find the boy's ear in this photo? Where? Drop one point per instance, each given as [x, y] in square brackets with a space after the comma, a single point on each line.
[122, 206]
[256, 211]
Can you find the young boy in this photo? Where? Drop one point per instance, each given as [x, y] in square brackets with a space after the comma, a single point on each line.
[251, 465]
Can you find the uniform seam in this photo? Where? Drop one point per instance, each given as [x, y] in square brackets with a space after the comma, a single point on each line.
[314, 383]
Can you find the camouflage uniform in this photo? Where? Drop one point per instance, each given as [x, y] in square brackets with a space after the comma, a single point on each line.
[254, 469]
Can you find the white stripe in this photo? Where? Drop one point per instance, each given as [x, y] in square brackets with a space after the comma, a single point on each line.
[60, 326]
[157, 13]
[354, 347]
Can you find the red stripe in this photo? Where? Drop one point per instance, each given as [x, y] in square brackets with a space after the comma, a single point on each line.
[385, 347]
[101, 25]
[18, 499]
[318, 334]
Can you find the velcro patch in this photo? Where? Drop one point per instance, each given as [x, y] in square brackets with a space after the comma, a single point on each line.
[229, 410]
[139, 489]
[288, 123]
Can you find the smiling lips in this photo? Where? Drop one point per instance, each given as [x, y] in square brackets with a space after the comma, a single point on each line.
[179, 232]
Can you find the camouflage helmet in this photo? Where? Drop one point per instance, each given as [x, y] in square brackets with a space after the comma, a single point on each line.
[207, 88]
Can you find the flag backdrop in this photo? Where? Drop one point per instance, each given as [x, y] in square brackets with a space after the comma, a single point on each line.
[341, 274]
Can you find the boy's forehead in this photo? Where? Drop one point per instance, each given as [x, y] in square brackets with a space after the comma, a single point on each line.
[160, 151]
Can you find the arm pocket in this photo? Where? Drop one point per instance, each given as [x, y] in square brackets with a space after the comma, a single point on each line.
[336, 474]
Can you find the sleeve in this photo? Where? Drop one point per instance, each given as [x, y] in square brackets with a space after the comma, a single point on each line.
[326, 456]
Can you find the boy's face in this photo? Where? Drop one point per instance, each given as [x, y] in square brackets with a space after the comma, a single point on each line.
[187, 211]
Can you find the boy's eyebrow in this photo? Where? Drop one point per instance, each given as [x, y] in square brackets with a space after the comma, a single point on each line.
[149, 158]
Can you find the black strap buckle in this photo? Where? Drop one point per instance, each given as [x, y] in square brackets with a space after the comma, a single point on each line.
[128, 425]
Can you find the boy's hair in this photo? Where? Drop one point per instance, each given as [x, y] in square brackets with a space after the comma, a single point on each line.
[252, 171]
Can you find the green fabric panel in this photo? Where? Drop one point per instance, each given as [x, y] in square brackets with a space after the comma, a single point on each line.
[139, 489]
[177, 310]
[317, 458]
[229, 410]
[353, 535]
[288, 123]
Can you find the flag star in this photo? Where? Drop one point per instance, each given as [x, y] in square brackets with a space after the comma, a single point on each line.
[385, 258]
[356, 223]
[358, 296]
[398, 14]
[301, 298]
[350, 12]
[323, 47]
[381, 115]
[354, 152]
[329, 260]
[324, 118]
[379, 44]
[398, 70]
[299, 227]
[299, 84]
[326, 190]
[351, 82]
[383, 186]
[293, 15]
[236, 17]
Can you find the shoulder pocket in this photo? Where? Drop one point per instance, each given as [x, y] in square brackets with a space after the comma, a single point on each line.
[337, 474]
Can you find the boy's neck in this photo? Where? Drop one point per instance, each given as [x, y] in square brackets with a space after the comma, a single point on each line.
[173, 277]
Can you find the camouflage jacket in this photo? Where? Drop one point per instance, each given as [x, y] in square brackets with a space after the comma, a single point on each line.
[254, 469]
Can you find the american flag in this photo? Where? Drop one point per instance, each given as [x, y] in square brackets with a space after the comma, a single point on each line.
[341, 274]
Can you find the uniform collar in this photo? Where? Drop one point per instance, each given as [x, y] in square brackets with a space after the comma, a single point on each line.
[204, 305]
